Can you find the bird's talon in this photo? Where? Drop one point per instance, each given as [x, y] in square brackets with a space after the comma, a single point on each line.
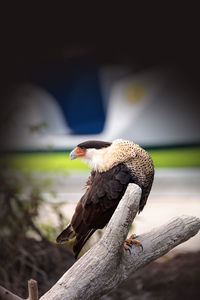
[129, 250]
[130, 241]
[127, 246]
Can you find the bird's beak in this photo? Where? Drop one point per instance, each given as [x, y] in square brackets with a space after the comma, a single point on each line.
[77, 152]
[73, 155]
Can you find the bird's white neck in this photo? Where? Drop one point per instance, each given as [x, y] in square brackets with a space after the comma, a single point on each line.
[96, 158]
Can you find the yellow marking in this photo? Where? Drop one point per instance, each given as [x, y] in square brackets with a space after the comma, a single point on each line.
[135, 92]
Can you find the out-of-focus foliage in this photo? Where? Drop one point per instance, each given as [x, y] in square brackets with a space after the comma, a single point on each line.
[51, 231]
[20, 201]
[21, 256]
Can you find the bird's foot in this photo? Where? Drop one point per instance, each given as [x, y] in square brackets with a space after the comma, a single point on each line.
[130, 241]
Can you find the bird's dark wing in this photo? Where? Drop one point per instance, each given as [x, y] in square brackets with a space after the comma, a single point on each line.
[94, 210]
[146, 187]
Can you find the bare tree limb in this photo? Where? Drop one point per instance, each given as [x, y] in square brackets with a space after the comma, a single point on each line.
[32, 290]
[107, 264]
[7, 295]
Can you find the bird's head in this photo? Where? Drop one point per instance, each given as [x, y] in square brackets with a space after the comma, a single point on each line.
[91, 151]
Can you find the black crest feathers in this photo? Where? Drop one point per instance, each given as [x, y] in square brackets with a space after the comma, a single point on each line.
[94, 144]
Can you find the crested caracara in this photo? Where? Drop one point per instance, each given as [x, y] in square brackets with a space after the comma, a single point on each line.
[114, 165]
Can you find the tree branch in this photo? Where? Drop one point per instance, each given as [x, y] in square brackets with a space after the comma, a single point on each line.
[107, 264]
[32, 291]
[7, 295]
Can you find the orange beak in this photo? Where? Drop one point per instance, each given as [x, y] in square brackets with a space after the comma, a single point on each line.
[77, 152]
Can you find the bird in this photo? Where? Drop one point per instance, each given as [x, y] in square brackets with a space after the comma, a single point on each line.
[113, 166]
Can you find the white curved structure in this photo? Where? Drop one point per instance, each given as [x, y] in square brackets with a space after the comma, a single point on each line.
[150, 108]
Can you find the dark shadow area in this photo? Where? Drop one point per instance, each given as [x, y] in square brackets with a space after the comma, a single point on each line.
[28, 258]
[175, 279]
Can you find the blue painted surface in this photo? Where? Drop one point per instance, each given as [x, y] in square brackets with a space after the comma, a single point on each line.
[77, 89]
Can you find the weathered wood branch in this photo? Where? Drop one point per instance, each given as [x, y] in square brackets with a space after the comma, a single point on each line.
[32, 291]
[107, 264]
[7, 295]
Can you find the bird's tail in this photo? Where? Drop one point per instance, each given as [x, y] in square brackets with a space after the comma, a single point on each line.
[80, 242]
[66, 235]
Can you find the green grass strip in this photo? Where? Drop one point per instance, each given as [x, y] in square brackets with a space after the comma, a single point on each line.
[59, 161]
[178, 157]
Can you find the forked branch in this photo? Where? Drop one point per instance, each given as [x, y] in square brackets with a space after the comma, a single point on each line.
[107, 264]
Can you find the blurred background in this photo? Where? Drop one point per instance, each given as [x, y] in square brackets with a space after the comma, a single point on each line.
[60, 89]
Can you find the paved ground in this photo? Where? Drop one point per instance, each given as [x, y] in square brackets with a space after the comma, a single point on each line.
[175, 192]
